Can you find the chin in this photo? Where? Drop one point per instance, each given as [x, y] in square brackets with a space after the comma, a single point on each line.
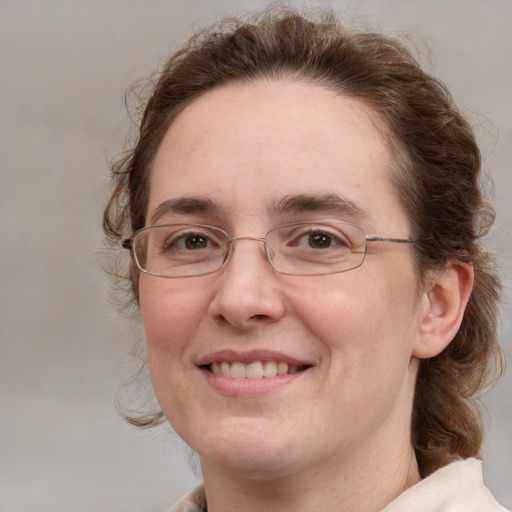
[252, 464]
[250, 451]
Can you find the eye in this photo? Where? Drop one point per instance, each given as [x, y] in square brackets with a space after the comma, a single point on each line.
[191, 241]
[322, 239]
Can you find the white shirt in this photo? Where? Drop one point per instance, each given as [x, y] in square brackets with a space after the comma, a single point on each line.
[458, 487]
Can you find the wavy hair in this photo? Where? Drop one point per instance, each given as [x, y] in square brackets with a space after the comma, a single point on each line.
[436, 171]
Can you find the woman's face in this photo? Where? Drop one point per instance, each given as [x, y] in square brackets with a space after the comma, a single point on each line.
[238, 151]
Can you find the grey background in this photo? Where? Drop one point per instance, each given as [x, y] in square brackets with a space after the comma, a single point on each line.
[64, 66]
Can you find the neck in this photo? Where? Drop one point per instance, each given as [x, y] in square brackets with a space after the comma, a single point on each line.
[353, 485]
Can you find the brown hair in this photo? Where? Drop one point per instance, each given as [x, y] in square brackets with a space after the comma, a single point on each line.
[436, 171]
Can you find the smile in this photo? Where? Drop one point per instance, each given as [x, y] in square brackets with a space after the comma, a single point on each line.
[254, 370]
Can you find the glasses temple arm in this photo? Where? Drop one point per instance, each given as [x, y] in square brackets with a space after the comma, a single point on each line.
[393, 240]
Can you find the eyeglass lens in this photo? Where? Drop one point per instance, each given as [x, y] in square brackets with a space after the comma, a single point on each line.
[301, 248]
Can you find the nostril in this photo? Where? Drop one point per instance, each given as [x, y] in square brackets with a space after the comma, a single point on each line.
[259, 317]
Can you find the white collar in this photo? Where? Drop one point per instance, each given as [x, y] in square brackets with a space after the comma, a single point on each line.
[457, 487]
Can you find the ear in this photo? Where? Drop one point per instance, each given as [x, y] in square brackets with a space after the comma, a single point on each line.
[442, 308]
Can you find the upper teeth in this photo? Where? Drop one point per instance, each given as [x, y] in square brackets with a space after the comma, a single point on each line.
[254, 370]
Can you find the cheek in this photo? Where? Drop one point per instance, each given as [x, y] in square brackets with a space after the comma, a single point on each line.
[168, 312]
[362, 317]
[170, 318]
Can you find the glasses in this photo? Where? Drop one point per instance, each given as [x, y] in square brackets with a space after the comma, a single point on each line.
[297, 249]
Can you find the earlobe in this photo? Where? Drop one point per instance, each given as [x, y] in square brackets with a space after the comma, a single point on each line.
[442, 308]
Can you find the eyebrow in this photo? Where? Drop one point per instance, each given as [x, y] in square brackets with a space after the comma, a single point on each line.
[332, 204]
[185, 206]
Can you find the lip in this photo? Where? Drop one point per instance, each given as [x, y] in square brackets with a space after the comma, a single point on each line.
[246, 357]
[249, 387]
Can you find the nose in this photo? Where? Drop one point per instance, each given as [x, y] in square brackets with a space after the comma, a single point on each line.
[248, 292]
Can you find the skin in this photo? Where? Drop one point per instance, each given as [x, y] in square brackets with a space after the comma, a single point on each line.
[336, 437]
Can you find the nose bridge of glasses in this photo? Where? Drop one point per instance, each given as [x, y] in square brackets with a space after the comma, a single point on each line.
[255, 238]
[229, 243]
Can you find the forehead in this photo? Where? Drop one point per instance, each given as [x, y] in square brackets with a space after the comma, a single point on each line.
[252, 144]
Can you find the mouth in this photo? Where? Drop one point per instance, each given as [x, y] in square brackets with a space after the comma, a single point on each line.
[253, 370]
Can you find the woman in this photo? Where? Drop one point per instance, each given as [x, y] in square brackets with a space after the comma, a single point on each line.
[303, 213]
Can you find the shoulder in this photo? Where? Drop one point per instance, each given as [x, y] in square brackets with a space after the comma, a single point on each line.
[457, 487]
[194, 501]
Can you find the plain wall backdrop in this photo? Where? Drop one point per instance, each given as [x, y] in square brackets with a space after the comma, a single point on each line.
[64, 66]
